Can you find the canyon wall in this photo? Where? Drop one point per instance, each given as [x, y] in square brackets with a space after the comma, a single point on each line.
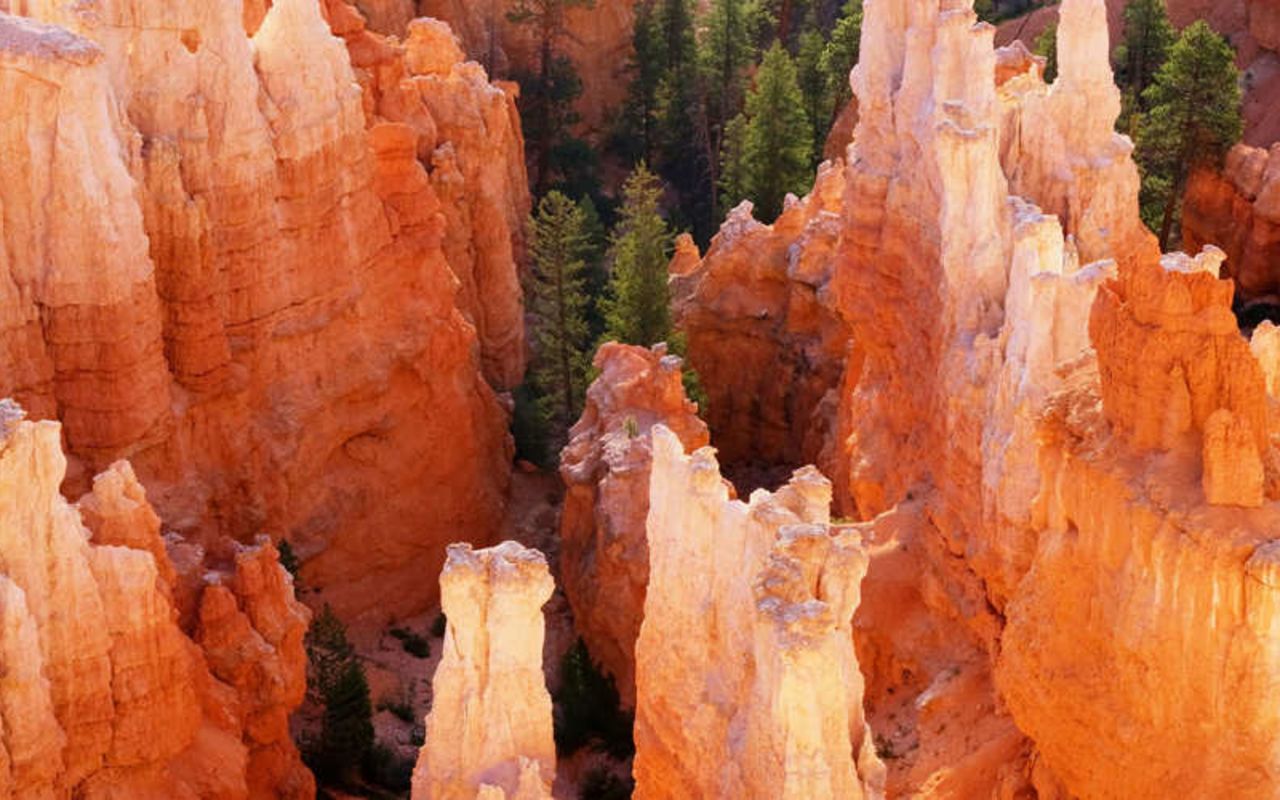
[136, 666]
[760, 327]
[278, 295]
[489, 731]
[1065, 429]
[746, 680]
[1238, 210]
[604, 552]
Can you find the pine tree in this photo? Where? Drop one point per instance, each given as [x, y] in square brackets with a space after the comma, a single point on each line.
[1148, 35]
[557, 302]
[548, 95]
[726, 52]
[841, 53]
[1046, 45]
[1194, 119]
[637, 309]
[733, 164]
[813, 86]
[779, 139]
[683, 135]
[338, 678]
[636, 137]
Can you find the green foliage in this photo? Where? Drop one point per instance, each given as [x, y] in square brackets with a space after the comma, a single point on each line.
[733, 163]
[635, 137]
[1148, 35]
[1046, 45]
[547, 97]
[557, 302]
[414, 644]
[776, 156]
[438, 625]
[689, 377]
[1194, 119]
[601, 784]
[388, 770]
[636, 311]
[587, 708]
[346, 736]
[529, 427]
[814, 88]
[841, 53]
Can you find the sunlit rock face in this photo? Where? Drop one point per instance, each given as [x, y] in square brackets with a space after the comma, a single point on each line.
[109, 690]
[489, 732]
[746, 681]
[1238, 210]
[1066, 430]
[223, 263]
[761, 331]
[604, 553]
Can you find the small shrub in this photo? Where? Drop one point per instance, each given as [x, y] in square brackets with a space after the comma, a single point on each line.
[413, 644]
[388, 770]
[632, 427]
[438, 626]
[587, 708]
[601, 784]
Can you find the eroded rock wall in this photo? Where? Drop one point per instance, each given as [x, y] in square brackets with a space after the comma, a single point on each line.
[746, 680]
[109, 690]
[251, 286]
[604, 553]
[1238, 210]
[489, 732]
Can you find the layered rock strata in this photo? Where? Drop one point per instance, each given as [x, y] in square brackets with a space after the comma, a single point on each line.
[222, 264]
[1238, 210]
[125, 675]
[746, 680]
[489, 731]
[760, 328]
[604, 553]
[1035, 381]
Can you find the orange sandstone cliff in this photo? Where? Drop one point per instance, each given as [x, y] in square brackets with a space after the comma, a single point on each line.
[289, 302]
[604, 553]
[1060, 442]
[1238, 210]
[136, 666]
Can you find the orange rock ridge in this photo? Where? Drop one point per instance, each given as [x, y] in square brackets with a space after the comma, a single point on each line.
[604, 553]
[1067, 431]
[250, 285]
[111, 689]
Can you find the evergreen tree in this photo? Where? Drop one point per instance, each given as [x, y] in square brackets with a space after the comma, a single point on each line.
[1194, 119]
[813, 87]
[557, 303]
[338, 681]
[1148, 35]
[683, 136]
[733, 163]
[779, 139]
[726, 53]
[636, 136]
[841, 53]
[636, 311]
[547, 98]
[1047, 45]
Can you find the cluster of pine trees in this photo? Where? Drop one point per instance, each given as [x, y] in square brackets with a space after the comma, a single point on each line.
[1182, 103]
[728, 100]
